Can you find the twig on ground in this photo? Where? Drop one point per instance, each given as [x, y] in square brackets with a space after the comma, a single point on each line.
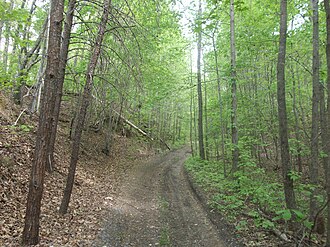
[19, 116]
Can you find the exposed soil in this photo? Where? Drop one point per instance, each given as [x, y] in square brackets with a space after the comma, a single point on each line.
[156, 206]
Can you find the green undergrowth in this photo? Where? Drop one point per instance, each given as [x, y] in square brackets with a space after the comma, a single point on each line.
[251, 198]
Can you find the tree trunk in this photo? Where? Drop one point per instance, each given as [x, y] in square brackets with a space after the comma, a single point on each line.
[1, 27]
[207, 151]
[222, 129]
[296, 121]
[40, 77]
[109, 132]
[7, 41]
[59, 87]
[323, 126]
[313, 168]
[192, 115]
[199, 85]
[282, 114]
[234, 128]
[83, 110]
[327, 170]
[31, 227]
[195, 124]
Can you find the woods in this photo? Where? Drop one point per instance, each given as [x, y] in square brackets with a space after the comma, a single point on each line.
[272, 97]
[244, 82]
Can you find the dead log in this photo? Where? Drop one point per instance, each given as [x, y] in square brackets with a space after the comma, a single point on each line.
[133, 126]
[140, 130]
[167, 146]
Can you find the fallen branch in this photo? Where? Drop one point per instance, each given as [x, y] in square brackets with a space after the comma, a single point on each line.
[280, 234]
[133, 126]
[140, 130]
[19, 117]
[168, 147]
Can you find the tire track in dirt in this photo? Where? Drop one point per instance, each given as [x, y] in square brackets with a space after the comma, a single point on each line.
[157, 207]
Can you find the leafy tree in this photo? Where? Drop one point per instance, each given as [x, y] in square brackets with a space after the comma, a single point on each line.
[199, 85]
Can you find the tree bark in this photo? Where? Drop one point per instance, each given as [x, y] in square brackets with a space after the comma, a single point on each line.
[59, 88]
[40, 76]
[222, 129]
[83, 109]
[327, 170]
[234, 128]
[7, 41]
[282, 114]
[296, 121]
[31, 227]
[313, 167]
[207, 150]
[1, 27]
[199, 86]
[192, 115]
[109, 131]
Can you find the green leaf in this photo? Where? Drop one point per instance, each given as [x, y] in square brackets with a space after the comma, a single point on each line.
[299, 214]
[323, 154]
[283, 214]
[267, 224]
[308, 224]
[287, 215]
[294, 175]
[25, 128]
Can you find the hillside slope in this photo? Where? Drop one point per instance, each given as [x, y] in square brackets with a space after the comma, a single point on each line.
[96, 180]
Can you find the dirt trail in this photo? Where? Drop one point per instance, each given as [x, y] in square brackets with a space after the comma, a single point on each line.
[157, 207]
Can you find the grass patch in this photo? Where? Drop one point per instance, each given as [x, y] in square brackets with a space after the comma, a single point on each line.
[164, 239]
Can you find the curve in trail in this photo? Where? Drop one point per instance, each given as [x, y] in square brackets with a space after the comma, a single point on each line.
[157, 207]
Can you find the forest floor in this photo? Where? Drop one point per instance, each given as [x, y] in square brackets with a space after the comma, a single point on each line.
[96, 182]
[134, 197]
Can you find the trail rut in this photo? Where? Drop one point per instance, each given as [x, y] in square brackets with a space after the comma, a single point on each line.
[157, 207]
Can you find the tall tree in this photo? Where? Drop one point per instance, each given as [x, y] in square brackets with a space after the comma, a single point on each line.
[234, 127]
[7, 40]
[31, 227]
[327, 170]
[282, 113]
[222, 129]
[207, 150]
[313, 168]
[59, 86]
[84, 105]
[199, 83]
[192, 111]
